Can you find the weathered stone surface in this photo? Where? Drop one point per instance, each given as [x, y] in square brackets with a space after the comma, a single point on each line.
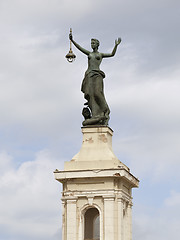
[95, 178]
[96, 151]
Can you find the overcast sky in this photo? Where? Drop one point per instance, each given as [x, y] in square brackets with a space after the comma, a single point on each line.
[41, 104]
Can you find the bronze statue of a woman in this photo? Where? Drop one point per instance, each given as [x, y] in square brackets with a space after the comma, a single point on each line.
[97, 110]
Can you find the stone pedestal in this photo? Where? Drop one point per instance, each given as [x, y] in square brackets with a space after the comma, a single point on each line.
[96, 197]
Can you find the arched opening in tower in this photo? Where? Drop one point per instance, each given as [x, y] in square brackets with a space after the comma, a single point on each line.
[92, 224]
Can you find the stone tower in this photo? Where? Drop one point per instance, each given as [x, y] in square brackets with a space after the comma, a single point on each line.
[97, 191]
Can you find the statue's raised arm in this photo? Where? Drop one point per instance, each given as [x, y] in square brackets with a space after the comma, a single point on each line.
[117, 42]
[78, 46]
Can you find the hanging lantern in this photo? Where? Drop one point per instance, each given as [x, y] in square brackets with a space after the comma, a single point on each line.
[70, 56]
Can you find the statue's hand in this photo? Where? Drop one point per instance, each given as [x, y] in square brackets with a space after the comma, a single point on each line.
[117, 41]
[70, 36]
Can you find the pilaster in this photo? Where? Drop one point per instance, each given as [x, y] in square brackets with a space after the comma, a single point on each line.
[109, 218]
[129, 219]
[63, 208]
[71, 219]
[120, 202]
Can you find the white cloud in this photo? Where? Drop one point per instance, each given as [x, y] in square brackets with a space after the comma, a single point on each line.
[160, 223]
[30, 197]
[148, 123]
[173, 200]
[5, 162]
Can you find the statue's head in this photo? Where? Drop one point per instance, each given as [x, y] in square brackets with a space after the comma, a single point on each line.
[94, 43]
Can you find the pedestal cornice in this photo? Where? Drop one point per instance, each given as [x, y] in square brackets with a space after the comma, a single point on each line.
[122, 173]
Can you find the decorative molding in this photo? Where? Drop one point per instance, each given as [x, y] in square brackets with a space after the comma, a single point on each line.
[90, 200]
[72, 200]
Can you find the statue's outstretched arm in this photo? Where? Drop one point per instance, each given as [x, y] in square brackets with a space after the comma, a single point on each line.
[117, 42]
[78, 46]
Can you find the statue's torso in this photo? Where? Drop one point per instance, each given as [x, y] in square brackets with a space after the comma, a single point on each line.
[94, 61]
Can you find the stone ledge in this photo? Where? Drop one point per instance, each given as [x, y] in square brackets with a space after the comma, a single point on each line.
[61, 176]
